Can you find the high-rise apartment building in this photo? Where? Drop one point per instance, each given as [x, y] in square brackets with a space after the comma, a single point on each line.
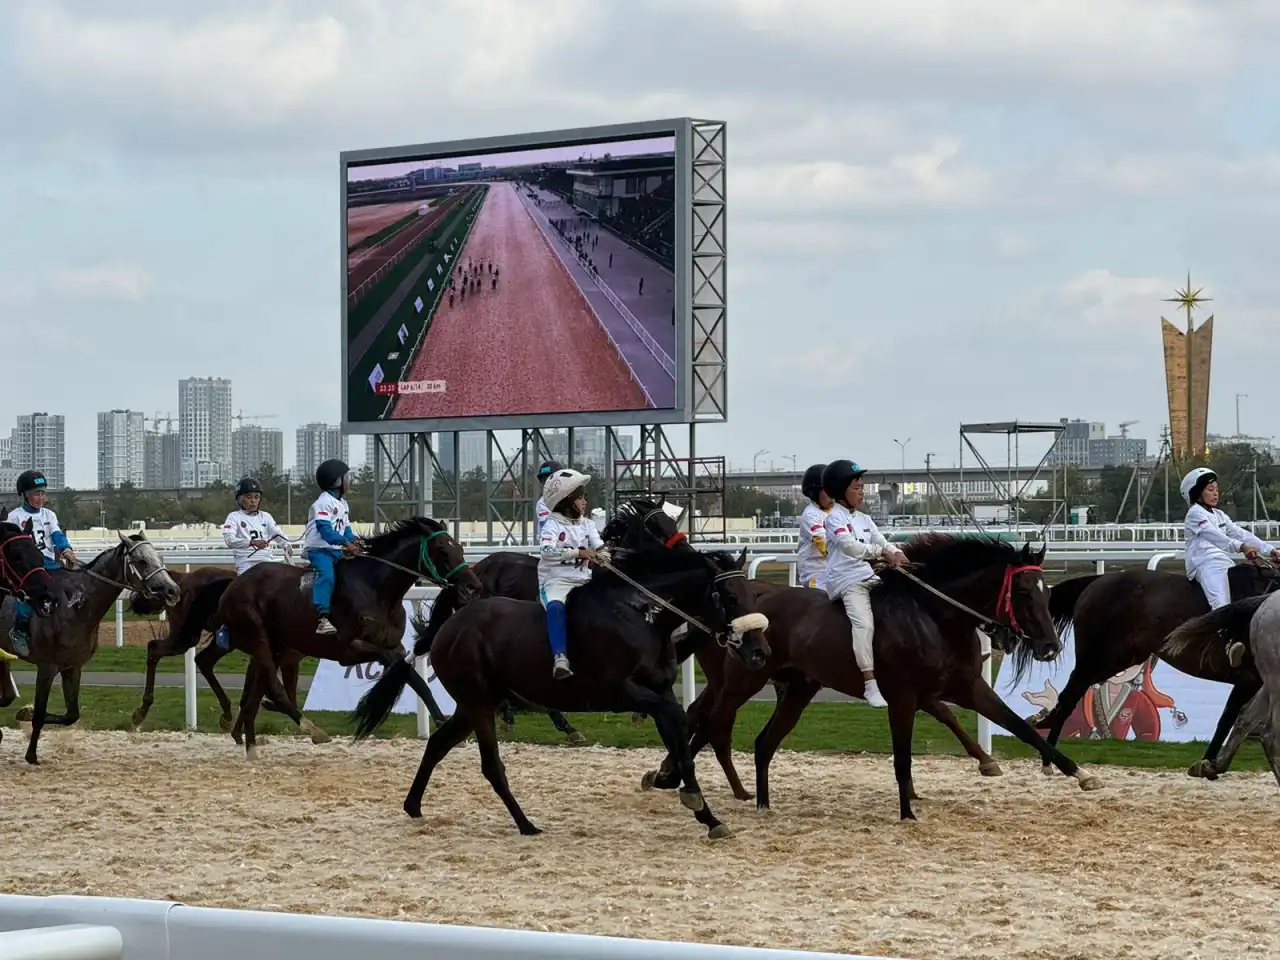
[161, 470]
[392, 453]
[316, 443]
[252, 446]
[204, 430]
[40, 443]
[121, 449]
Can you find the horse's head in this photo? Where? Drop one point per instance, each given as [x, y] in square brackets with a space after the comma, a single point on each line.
[1023, 606]
[736, 617]
[637, 524]
[22, 567]
[144, 571]
[441, 560]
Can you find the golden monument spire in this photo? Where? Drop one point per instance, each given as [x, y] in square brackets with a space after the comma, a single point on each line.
[1187, 358]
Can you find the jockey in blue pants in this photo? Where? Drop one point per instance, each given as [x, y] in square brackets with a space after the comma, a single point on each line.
[328, 535]
[567, 542]
[49, 538]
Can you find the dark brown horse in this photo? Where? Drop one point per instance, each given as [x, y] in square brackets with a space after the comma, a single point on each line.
[62, 643]
[270, 617]
[624, 660]
[22, 577]
[927, 652]
[1121, 619]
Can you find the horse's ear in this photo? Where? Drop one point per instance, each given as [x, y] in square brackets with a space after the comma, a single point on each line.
[1026, 552]
[28, 526]
[742, 559]
[123, 538]
[662, 499]
[1040, 557]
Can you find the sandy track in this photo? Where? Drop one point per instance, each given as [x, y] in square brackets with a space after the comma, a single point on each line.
[1027, 867]
[368, 220]
[363, 264]
[530, 346]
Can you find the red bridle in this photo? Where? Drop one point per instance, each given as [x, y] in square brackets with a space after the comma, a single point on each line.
[1004, 603]
[677, 537]
[8, 573]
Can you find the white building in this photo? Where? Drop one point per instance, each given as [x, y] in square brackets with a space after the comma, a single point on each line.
[316, 443]
[252, 446]
[121, 449]
[40, 443]
[396, 445]
[204, 431]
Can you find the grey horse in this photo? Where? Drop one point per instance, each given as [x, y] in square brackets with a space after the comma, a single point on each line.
[1255, 622]
[62, 644]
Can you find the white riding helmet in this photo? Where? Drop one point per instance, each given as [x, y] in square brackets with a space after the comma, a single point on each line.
[1193, 483]
[560, 484]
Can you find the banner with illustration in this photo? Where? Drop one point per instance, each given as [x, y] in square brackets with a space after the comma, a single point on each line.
[1148, 701]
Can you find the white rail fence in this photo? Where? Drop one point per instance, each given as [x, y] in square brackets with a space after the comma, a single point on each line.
[108, 928]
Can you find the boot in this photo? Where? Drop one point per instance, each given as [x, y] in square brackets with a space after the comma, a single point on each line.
[560, 667]
[871, 693]
[325, 627]
[21, 641]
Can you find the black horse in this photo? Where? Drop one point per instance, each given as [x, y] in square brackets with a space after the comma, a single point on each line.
[624, 660]
[1122, 619]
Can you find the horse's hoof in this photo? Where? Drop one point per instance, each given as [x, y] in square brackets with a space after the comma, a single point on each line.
[719, 832]
[224, 724]
[25, 715]
[414, 810]
[744, 796]
[577, 739]
[251, 753]
[137, 717]
[1090, 782]
[646, 782]
[638, 719]
[693, 800]
[1047, 770]
[32, 759]
[763, 810]
[315, 733]
[506, 725]
[991, 769]
[1203, 769]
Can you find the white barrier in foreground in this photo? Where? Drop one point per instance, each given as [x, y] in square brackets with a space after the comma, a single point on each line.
[71, 942]
[163, 930]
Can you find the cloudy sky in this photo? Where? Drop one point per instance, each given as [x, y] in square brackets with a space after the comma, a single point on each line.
[941, 210]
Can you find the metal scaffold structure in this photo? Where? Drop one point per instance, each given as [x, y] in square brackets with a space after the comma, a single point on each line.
[1007, 491]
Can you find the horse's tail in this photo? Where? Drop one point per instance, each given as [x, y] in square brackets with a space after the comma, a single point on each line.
[376, 705]
[1063, 599]
[1209, 633]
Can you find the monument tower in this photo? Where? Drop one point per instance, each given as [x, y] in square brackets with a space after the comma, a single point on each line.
[1187, 357]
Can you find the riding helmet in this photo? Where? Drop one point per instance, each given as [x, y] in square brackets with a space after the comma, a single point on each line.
[547, 469]
[1193, 484]
[29, 481]
[330, 473]
[836, 477]
[247, 485]
[811, 485]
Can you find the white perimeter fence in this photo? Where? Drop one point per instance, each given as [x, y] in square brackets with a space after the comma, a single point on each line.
[107, 928]
[1057, 553]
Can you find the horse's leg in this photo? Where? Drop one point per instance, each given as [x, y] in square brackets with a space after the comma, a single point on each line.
[668, 717]
[448, 735]
[507, 713]
[902, 721]
[987, 765]
[1269, 736]
[562, 724]
[1216, 760]
[982, 698]
[149, 691]
[248, 691]
[1078, 685]
[289, 669]
[793, 698]
[492, 767]
[1254, 713]
[206, 660]
[45, 674]
[70, 696]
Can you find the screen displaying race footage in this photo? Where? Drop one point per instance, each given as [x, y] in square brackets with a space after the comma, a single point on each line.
[534, 281]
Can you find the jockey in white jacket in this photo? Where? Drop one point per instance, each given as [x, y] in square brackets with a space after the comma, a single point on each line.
[569, 539]
[811, 551]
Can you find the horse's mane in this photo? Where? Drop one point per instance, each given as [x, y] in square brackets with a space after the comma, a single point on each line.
[656, 561]
[946, 557]
[629, 513]
[398, 531]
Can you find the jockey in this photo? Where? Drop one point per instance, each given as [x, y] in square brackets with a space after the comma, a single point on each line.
[48, 537]
[852, 540]
[811, 564]
[540, 510]
[250, 532]
[568, 538]
[1211, 539]
[328, 535]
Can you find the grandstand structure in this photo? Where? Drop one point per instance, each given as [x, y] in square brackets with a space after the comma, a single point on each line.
[634, 198]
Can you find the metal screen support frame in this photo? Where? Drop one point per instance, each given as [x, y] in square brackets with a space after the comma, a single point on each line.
[709, 292]
[1013, 431]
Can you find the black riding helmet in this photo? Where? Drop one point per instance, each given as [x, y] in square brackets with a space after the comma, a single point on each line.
[811, 484]
[547, 469]
[30, 481]
[836, 477]
[330, 473]
[247, 485]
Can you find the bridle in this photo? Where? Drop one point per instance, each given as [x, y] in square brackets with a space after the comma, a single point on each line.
[9, 573]
[130, 567]
[1003, 632]
[427, 569]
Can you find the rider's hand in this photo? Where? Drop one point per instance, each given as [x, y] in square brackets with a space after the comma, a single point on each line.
[352, 547]
[1250, 553]
[589, 555]
[895, 558]
[259, 544]
[69, 558]
[1275, 556]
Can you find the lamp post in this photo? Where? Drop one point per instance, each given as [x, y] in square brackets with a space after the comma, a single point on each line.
[755, 461]
[902, 479]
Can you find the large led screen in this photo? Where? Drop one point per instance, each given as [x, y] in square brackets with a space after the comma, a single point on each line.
[524, 282]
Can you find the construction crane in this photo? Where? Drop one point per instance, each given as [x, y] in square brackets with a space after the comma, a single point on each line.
[242, 416]
[165, 418]
[1124, 428]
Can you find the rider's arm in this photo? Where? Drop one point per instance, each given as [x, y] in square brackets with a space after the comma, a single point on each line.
[328, 534]
[842, 539]
[231, 535]
[1200, 524]
[551, 547]
[817, 530]
[879, 540]
[273, 530]
[1246, 538]
[593, 536]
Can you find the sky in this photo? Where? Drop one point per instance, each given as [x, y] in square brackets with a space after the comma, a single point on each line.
[941, 211]
[622, 148]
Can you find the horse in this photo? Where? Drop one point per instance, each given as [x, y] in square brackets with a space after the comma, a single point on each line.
[1122, 619]
[269, 613]
[23, 577]
[1255, 622]
[926, 652]
[624, 660]
[61, 644]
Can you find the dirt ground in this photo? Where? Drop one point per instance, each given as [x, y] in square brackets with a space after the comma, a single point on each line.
[137, 633]
[1025, 866]
[368, 220]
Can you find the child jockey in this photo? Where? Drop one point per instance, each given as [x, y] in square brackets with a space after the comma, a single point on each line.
[328, 535]
[852, 540]
[1212, 538]
[811, 563]
[251, 534]
[568, 539]
[540, 510]
[48, 537]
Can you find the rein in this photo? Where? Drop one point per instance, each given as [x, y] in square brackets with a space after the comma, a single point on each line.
[10, 573]
[1004, 603]
[719, 578]
[426, 566]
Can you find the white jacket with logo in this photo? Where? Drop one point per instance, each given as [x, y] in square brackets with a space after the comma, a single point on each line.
[1213, 539]
[853, 539]
[242, 527]
[811, 552]
[558, 547]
